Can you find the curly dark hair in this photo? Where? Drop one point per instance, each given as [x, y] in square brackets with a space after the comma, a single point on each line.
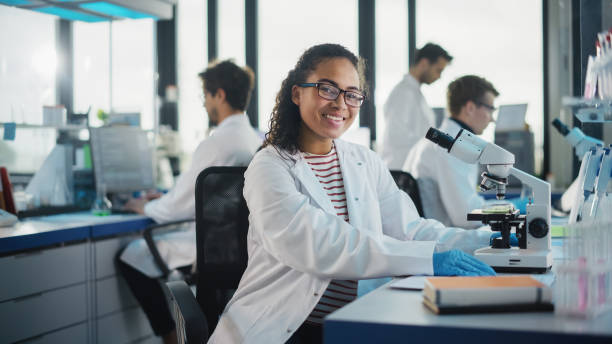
[286, 120]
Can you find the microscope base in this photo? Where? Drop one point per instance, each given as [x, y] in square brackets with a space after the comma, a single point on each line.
[515, 259]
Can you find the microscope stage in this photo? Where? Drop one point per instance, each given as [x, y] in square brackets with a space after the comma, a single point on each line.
[515, 259]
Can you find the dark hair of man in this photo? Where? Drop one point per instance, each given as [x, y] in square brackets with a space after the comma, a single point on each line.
[285, 120]
[466, 88]
[431, 52]
[237, 82]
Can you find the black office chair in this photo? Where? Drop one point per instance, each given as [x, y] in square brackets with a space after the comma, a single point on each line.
[409, 185]
[167, 274]
[221, 232]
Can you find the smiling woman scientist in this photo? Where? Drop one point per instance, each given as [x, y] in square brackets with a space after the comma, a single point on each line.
[325, 213]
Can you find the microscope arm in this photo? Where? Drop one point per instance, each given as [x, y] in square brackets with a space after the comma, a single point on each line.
[541, 189]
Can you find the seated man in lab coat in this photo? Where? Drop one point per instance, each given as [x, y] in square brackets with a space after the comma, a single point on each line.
[227, 89]
[448, 185]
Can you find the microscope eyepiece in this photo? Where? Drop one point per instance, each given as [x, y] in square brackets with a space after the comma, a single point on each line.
[440, 138]
[562, 128]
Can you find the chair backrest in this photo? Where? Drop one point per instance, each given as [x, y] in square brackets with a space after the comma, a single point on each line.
[406, 182]
[221, 231]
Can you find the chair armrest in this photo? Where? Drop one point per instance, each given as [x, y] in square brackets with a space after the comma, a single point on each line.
[191, 325]
[148, 236]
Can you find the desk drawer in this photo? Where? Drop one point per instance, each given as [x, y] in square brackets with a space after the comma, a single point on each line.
[123, 327]
[71, 335]
[105, 253]
[113, 294]
[37, 271]
[30, 316]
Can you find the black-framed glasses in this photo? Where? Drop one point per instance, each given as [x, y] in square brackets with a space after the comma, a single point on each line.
[331, 92]
[487, 106]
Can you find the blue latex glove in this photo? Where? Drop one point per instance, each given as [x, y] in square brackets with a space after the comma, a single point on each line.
[513, 238]
[520, 203]
[458, 263]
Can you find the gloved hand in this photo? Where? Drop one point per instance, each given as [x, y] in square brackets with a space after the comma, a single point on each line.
[520, 203]
[513, 238]
[458, 263]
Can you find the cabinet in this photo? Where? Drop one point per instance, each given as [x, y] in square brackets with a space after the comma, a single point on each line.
[40, 297]
[71, 292]
[118, 318]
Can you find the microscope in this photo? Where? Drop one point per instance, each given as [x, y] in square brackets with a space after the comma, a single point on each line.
[590, 151]
[576, 138]
[533, 255]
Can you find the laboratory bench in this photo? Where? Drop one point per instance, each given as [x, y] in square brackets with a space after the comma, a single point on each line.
[388, 315]
[61, 285]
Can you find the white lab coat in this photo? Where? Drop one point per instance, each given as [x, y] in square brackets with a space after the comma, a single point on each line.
[297, 244]
[232, 143]
[447, 185]
[407, 119]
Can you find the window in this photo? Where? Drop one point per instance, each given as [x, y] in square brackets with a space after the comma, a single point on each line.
[28, 63]
[114, 68]
[287, 29]
[498, 40]
[91, 42]
[133, 69]
[391, 53]
[191, 59]
[231, 35]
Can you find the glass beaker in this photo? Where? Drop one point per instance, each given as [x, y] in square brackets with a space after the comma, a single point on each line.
[102, 205]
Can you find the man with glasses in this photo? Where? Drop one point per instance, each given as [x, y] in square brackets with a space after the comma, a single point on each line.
[447, 185]
[407, 114]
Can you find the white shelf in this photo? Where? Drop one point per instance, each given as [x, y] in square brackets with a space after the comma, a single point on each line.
[40, 126]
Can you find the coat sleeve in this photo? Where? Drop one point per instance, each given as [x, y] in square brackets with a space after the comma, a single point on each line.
[402, 221]
[305, 238]
[179, 202]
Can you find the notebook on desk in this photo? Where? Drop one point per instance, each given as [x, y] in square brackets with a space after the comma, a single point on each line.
[467, 294]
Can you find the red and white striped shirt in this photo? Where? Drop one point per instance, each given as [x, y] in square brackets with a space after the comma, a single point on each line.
[339, 292]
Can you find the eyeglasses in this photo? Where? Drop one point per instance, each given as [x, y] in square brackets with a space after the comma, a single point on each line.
[331, 92]
[487, 106]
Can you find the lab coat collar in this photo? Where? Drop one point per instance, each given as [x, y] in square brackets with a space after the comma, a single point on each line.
[462, 124]
[410, 80]
[352, 170]
[235, 118]
[306, 176]
[450, 127]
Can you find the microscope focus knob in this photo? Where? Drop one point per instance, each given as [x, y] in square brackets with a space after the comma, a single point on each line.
[538, 228]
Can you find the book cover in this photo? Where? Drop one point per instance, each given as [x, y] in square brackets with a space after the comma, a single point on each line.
[2, 205]
[507, 308]
[7, 191]
[483, 291]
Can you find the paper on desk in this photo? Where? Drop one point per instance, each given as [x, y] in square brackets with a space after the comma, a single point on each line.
[410, 283]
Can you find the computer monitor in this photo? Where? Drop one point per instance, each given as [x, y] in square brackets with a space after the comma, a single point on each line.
[511, 117]
[440, 113]
[122, 159]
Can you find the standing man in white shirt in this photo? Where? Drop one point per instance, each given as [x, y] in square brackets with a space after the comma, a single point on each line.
[407, 114]
[447, 185]
[227, 90]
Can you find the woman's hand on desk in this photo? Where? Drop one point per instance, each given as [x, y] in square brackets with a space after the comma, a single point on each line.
[458, 263]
